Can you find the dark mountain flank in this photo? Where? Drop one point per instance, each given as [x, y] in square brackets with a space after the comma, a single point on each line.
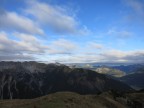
[31, 79]
[136, 79]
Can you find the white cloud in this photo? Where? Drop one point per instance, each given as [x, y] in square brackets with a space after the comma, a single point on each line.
[62, 46]
[124, 56]
[37, 17]
[136, 5]
[55, 18]
[29, 47]
[16, 57]
[111, 56]
[25, 46]
[12, 21]
[31, 43]
[136, 11]
[94, 45]
[119, 33]
[63, 43]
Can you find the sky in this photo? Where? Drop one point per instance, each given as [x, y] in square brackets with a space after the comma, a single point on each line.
[72, 31]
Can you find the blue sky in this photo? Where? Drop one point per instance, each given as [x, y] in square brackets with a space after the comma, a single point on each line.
[72, 30]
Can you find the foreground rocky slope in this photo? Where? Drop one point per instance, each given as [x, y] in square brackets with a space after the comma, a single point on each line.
[31, 79]
[108, 99]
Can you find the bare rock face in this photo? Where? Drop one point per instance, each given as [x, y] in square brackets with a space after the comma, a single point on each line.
[31, 79]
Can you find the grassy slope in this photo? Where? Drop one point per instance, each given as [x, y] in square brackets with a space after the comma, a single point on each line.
[64, 100]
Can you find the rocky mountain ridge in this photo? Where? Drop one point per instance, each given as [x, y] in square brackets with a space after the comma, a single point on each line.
[32, 79]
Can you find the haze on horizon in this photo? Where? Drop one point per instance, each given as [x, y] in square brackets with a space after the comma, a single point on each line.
[72, 30]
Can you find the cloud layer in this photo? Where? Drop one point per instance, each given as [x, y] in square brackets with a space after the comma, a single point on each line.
[55, 18]
[29, 47]
[26, 45]
[11, 21]
[44, 31]
[21, 48]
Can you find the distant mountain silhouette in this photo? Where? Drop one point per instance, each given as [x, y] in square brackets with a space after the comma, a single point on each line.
[129, 68]
[32, 79]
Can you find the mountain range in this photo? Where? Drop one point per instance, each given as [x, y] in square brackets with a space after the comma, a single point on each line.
[25, 80]
[131, 74]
